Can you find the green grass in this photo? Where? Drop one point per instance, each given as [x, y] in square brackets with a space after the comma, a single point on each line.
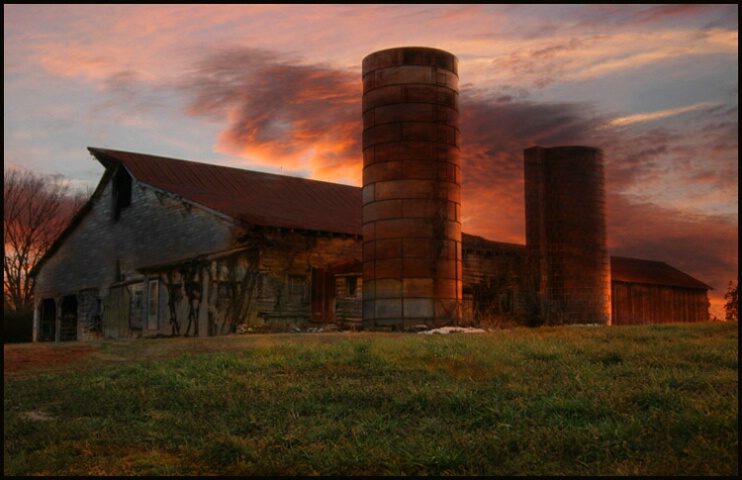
[553, 401]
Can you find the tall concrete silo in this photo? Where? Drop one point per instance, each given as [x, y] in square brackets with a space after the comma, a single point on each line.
[411, 189]
[566, 233]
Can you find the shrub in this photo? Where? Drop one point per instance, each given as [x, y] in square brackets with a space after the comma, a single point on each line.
[17, 326]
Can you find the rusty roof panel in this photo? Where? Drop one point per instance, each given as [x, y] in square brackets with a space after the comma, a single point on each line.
[253, 197]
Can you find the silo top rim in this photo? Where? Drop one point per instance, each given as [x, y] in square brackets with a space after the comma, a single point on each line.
[406, 56]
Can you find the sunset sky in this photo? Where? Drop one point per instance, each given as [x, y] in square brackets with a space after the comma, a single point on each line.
[277, 88]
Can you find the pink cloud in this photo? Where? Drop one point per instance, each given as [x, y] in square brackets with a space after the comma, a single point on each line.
[664, 12]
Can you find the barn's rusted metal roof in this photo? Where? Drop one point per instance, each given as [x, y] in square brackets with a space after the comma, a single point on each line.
[634, 270]
[253, 197]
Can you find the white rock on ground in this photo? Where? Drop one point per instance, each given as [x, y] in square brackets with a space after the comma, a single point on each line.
[448, 330]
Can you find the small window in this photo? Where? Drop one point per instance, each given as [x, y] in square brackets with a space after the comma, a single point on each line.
[121, 191]
[297, 289]
[352, 283]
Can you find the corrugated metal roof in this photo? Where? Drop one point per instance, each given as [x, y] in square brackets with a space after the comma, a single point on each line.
[253, 197]
[634, 270]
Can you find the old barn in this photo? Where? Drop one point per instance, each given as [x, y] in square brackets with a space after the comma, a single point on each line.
[647, 292]
[174, 247]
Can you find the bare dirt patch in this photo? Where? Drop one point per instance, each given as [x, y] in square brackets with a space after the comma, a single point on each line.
[28, 359]
[36, 416]
[18, 359]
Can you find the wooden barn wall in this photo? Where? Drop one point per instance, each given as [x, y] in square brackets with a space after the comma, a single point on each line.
[642, 304]
[497, 285]
[286, 272]
[348, 301]
[264, 285]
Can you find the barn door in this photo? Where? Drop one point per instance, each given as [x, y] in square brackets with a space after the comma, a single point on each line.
[68, 322]
[48, 321]
[323, 295]
[116, 313]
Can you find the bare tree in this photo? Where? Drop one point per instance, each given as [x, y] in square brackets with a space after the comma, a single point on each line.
[36, 208]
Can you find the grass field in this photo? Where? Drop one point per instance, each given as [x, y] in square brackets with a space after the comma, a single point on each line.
[656, 400]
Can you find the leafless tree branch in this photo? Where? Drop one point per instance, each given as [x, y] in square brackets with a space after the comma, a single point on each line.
[36, 209]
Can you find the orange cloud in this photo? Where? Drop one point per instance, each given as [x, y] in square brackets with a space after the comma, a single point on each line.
[647, 117]
[299, 117]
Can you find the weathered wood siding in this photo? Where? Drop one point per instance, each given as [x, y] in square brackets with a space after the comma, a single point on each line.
[497, 283]
[102, 250]
[348, 302]
[117, 308]
[287, 270]
[268, 283]
[642, 304]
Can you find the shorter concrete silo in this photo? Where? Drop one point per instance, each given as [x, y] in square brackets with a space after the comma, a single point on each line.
[566, 233]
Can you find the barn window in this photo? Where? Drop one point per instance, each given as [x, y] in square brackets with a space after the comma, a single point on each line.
[505, 301]
[297, 289]
[352, 284]
[121, 191]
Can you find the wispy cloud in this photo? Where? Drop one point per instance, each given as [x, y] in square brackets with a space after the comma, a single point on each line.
[647, 117]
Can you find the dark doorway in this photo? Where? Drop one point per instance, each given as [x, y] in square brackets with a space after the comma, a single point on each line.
[323, 295]
[68, 324]
[47, 320]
